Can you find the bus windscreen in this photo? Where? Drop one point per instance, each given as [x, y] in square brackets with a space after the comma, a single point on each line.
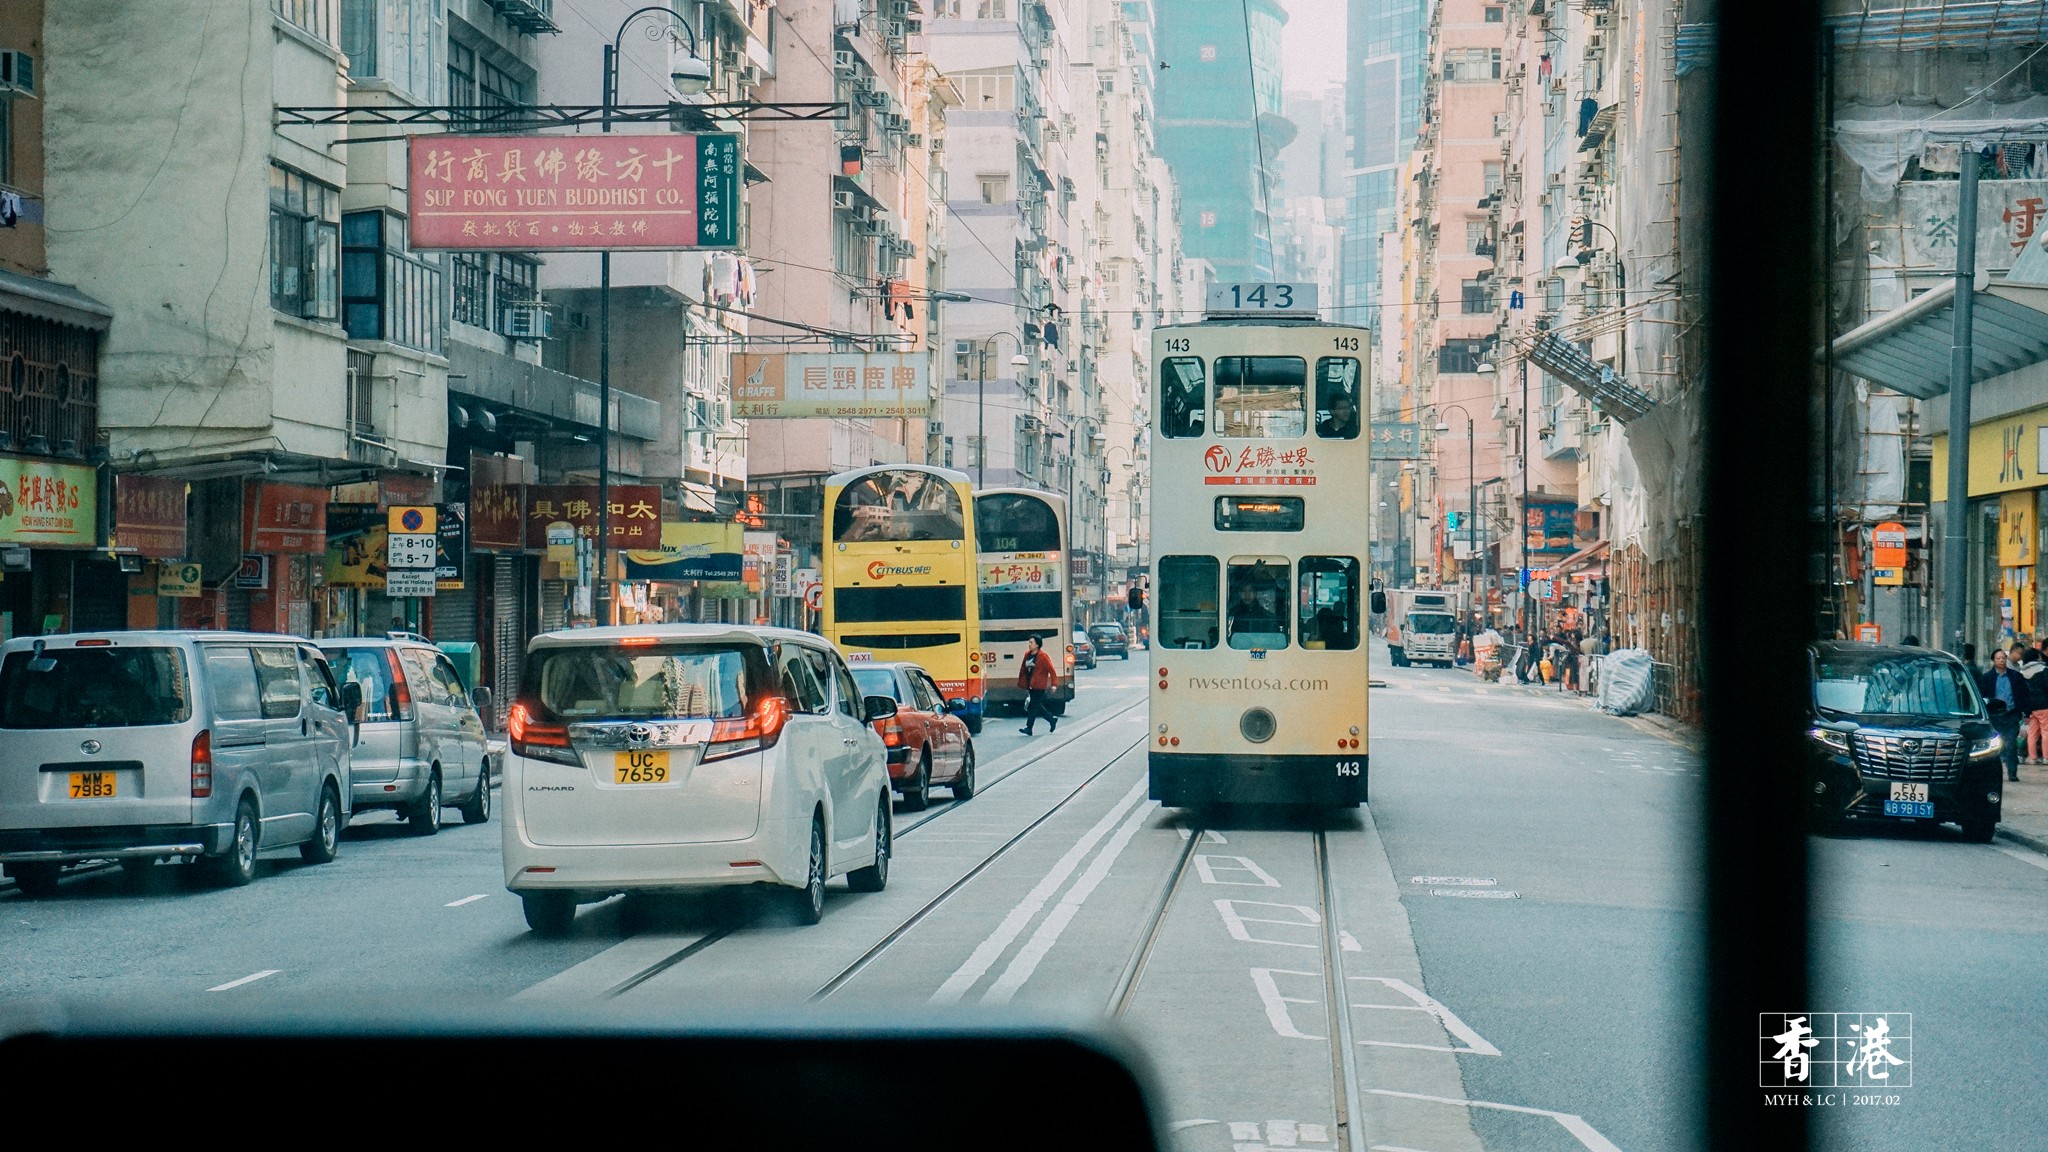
[897, 505]
[1006, 522]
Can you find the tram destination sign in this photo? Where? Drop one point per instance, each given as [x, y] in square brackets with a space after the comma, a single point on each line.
[1260, 300]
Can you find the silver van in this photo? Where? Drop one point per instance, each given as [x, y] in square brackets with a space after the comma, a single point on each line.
[140, 746]
[423, 741]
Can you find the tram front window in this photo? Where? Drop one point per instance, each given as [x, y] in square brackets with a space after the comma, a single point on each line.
[1328, 607]
[1262, 397]
[1258, 604]
[1337, 398]
[1183, 397]
[1186, 600]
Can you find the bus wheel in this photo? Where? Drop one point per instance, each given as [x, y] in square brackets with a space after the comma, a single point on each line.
[973, 722]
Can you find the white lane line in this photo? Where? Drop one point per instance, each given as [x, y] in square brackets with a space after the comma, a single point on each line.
[1348, 941]
[251, 978]
[1420, 1001]
[1577, 1126]
[2024, 856]
[1395, 1148]
[991, 949]
[1179, 1125]
[1050, 929]
[465, 900]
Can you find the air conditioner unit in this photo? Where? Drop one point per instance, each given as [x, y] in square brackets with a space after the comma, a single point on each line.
[1595, 41]
[914, 140]
[526, 320]
[901, 8]
[843, 200]
[842, 60]
[17, 73]
[894, 30]
[871, 99]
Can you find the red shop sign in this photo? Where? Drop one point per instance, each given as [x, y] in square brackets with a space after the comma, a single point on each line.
[635, 519]
[284, 519]
[149, 516]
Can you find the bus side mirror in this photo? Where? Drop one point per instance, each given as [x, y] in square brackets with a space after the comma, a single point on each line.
[1379, 602]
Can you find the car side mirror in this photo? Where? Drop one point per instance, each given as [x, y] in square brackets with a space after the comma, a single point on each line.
[1379, 602]
[481, 697]
[351, 698]
[1996, 707]
[878, 707]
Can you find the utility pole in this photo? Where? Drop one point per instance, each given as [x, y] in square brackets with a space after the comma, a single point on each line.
[981, 417]
[1955, 531]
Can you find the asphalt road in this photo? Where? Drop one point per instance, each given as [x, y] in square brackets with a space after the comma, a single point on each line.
[1512, 923]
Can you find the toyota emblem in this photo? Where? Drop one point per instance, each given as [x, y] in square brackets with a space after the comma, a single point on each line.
[639, 734]
[89, 747]
[1912, 746]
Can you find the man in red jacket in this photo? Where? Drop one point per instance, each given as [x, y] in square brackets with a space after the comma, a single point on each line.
[1036, 676]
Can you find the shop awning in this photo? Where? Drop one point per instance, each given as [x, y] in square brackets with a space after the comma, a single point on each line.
[1579, 559]
[1908, 349]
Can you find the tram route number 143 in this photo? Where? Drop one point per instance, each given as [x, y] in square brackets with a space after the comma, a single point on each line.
[1347, 768]
[1258, 299]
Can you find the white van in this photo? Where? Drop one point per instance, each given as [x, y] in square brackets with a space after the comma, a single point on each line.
[671, 757]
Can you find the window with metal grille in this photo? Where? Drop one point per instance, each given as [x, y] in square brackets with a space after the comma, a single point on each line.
[316, 17]
[1476, 299]
[471, 272]
[305, 245]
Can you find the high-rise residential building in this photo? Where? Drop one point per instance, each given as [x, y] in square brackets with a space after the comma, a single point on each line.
[1387, 59]
[1222, 126]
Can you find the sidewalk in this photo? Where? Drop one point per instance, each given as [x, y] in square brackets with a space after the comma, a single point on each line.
[2025, 816]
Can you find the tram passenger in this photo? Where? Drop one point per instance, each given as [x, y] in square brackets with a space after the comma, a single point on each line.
[1342, 421]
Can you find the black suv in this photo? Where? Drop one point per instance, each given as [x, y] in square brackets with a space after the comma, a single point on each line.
[1900, 734]
[1109, 640]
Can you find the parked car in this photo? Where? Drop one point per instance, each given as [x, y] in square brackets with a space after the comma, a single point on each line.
[927, 743]
[141, 746]
[423, 741]
[671, 757]
[1080, 650]
[1901, 734]
[1109, 640]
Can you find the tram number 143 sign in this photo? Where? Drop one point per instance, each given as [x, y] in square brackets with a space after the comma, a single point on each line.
[1260, 299]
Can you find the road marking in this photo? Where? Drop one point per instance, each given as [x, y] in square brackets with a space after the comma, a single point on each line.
[1235, 922]
[1477, 893]
[1348, 942]
[991, 949]
[1179, 1125]
[1475, 1044]
[2024, 856]
[465, 900]
[1212, 836]
[1395, 1148]
[1260, 877]
[1050, 929]
[1575, 1125]
[1276, 1004]
[251, 978]
[1455, 881]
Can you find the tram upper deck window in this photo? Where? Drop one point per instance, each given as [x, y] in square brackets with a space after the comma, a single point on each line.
[1186, 601]
[897, 505]
[1328, 603]
[1337, 398]
[1261, 397]
[1183, 397]
[1258, 603]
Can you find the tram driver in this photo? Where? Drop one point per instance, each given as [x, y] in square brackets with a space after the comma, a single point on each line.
[1257, 617]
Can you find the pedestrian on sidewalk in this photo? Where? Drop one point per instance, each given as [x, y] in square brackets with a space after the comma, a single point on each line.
[1037, 678]
[2002, 683]
[2034, 732]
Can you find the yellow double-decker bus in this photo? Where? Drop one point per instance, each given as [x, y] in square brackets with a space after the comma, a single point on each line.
[899, 576]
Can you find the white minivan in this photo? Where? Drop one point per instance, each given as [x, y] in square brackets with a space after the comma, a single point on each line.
[669, 757]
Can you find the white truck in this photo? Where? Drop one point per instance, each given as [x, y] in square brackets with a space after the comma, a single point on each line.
[1422, 625]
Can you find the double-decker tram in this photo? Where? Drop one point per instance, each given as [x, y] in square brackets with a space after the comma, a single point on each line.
[1259, 536]
[1022, 533]
[899, 575]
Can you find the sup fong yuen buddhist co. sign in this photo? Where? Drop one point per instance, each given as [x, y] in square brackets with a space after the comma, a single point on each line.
[567, 193]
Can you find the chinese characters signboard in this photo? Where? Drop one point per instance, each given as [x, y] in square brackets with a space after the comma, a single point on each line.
[635, 513]
[149, 516]
[574, 193]
[1393, 440]
[2009, 214]
[1261, 465]
[48, 505]
[837, 385]
[700, 551]
[284, 519]
[1023, 575]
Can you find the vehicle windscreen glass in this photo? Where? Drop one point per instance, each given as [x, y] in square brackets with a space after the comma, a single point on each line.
[1876, 684]
[683, 682]
[1432, 624]
[898, 505]
[94, 688]
[369, 668]
[877, 682]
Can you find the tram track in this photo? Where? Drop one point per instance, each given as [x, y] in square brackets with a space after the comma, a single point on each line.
[705, 941]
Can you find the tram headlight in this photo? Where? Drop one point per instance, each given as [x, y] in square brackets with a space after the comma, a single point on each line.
[1257, 725]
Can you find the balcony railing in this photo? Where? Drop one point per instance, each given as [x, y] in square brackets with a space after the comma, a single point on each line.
[49, 386]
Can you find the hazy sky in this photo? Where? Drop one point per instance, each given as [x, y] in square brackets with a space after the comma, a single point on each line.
[1313, 43]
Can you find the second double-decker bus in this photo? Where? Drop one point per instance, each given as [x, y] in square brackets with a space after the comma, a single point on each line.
[1025, 592]
[1260, 544]
[899, 575]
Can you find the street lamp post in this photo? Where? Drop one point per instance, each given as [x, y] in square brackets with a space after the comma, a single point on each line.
[1471, 487]
[690, 76]
[981, 398]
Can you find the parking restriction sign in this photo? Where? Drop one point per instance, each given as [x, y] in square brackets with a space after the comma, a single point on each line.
[412, 520]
